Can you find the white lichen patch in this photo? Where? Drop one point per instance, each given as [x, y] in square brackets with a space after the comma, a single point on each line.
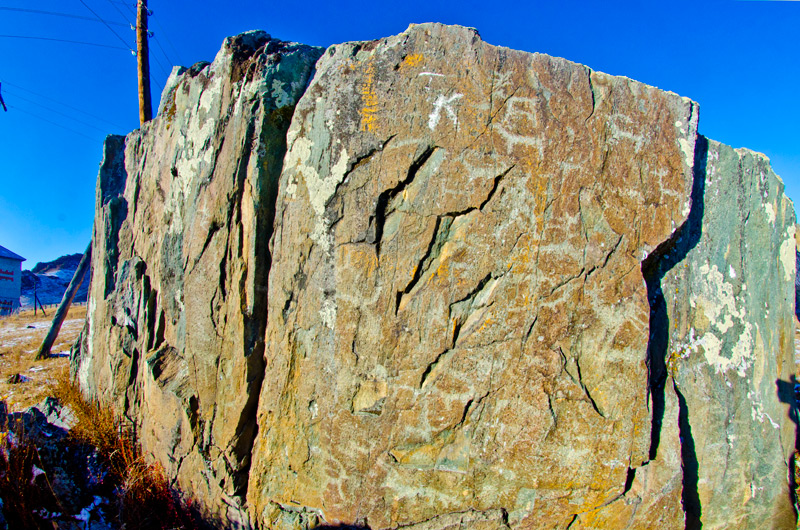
[302, 164]
[687, 208]
[742, 357]
[691, 346]
[283, 97]
[195, 146]
[741, 354]
[717, 302]
[296, 161]
[687, 149]
[757, 413]
[787, 253]
[717, 299]
[327, 313]
[320, 191]
[770, 213]
[687, 131]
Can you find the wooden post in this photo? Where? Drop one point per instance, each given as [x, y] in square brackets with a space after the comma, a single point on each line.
[40, 305]
[143, 63]
[61, 314]
[36, 297]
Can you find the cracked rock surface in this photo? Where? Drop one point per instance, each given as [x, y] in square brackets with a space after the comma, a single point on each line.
[730, 355]
[433, 293]
[459, 320]
[174, 336]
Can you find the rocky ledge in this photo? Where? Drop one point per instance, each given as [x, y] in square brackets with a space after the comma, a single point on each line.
[431, 283]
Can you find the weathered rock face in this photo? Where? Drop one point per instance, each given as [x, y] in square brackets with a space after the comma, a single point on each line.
[461, 321]
[178, 297]
[484, 271]
[728, 294]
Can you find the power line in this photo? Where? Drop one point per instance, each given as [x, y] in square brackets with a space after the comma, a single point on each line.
[65, 40]
[164, 69]
[129, 5]
[160, 65]
[166, 36]
[52, 122]
[162, 51]
[151, 35]
[64, 105]
[106, 23]
[132, 25]
[76, 120]
[41, 12]
[125, 18]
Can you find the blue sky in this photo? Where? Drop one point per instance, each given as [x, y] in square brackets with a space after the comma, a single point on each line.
[739, 59]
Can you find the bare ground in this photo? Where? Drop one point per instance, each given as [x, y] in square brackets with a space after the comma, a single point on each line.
[20, 337]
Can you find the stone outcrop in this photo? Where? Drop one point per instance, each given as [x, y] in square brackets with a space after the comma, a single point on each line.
[727, 289]
[70, 478]
[501, 290]
[178, 297]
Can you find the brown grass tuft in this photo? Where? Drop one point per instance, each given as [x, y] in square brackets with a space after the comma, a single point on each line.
[145, 499]
[141, 494]
[23, 495]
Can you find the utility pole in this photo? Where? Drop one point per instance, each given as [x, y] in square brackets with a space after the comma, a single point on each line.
[143, 63]
[44, 350]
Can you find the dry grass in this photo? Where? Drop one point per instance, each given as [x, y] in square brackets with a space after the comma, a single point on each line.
[23, 495]
[21, 335]
[144, 497]
[139, 492]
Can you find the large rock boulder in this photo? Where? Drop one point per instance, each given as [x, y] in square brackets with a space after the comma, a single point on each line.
[178, 298]
[459, 321]
[729, 299]
[485, 270]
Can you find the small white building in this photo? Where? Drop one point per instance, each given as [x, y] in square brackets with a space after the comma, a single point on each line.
[10, 280]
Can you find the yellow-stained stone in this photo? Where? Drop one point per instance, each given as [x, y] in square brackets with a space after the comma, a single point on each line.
[473, 322]
[428, 283]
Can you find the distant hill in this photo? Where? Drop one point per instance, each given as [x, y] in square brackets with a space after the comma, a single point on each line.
[51, 279]
[68, 262]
